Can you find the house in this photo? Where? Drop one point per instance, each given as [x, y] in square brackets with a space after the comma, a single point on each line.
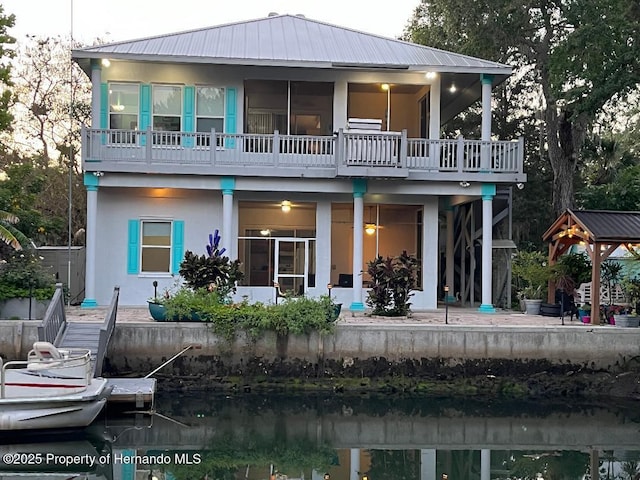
[312, 148]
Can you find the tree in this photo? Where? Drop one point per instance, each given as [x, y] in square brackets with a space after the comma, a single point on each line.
[8, 233]
[6, 21]
[580, 54]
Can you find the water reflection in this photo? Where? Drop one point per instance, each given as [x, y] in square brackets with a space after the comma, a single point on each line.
[336, 438]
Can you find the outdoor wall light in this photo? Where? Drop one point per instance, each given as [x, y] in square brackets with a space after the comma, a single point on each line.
[265, 232]
[285, 206]
[105, 62]
[453, 88]
[98, 174]
[520, 186]
[431, 75]
[465, 184]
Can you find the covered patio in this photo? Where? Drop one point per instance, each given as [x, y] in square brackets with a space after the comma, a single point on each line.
[600, 232]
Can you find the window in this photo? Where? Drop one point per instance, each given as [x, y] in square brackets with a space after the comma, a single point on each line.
[124, 100]
[167, 113]
[209, 112]
[156, 246]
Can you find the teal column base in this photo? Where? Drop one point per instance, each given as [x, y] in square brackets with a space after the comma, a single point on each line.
[450, 299]
[487, 308]
[357, 307]
[89, 303]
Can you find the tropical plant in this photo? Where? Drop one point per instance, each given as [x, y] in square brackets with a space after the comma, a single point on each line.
[9, 234]
[530, 274]
[393, 279]
[212, 271]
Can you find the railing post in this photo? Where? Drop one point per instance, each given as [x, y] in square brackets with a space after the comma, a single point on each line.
[340, 148]
[213, 146]
[149, 145]
[460, 153]
[402, 148]
[276, 147]
[520, 155]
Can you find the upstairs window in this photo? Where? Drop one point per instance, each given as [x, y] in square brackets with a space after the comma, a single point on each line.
[167, 113]
[124, 102]
[209, 112]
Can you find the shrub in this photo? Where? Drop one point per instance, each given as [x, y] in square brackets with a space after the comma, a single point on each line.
[24, 276]
[393, 278]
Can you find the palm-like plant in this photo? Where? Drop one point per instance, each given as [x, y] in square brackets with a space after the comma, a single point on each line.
[10, 234]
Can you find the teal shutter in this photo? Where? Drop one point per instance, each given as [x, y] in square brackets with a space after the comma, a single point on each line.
[104, 105]
[188, 114]
[177, 246]
[230, 115]
[145, 111]
[133, 250]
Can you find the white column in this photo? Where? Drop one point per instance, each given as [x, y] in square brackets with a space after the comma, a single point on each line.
[430, 252]
[96, 81]
[485, 464]
[449, 256]
[229, 240]
[358, 245]
[227, 221]
[487, 248]
[354, 464]
[91, 238]
[323, 245]
[340, 99]
[434, 109]
[487, 81]
[427, 464]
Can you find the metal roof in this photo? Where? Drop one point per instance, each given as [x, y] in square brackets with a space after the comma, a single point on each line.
[602, 225]
[291, 40]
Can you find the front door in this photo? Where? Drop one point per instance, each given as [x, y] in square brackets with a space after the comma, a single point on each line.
[292, 265]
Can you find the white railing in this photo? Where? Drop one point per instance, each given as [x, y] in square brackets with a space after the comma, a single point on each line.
[110, 148]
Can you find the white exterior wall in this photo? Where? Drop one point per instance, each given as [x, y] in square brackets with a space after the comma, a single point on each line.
[200, 210]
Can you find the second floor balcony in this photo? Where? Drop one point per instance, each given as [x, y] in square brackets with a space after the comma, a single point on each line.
[345, 154]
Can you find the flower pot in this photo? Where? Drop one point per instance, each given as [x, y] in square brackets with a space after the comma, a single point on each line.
[586, 319]
[23, 308]
[532, 306]
[158, 312]
[626, 321]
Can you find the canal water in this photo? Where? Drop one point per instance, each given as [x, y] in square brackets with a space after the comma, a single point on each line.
[334, 437]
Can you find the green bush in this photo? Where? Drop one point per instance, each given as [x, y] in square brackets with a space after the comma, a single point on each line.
[393, 279]
[295, 316]
[23, 275]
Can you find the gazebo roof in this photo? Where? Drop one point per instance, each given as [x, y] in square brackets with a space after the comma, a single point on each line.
[602, 226]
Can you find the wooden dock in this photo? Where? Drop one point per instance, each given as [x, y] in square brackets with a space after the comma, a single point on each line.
[135, 393]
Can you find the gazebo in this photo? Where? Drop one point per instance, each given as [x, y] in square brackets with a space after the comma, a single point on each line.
[601, 232]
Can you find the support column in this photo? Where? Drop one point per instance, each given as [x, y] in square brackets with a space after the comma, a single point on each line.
[91, 182]
[430, 249]
[96, 81]
[427, 464]
[228, 185]
[340, 99]
[359, 189]
[323, 245]
[485, 464]
[354, 464]
[434, 109]
[488, 192]
[449, 257]
[485, 160]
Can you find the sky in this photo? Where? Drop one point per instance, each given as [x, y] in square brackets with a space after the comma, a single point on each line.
[115, 20]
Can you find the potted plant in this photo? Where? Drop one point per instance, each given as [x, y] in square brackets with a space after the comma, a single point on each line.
[26, 286]
[630, 285]
[531, 275]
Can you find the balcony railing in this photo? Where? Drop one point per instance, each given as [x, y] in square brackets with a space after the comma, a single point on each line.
[383, 154]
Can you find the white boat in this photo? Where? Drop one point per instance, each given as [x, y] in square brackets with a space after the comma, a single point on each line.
[53, 388]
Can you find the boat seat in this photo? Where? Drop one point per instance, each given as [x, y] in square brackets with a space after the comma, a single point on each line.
[46, 352]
